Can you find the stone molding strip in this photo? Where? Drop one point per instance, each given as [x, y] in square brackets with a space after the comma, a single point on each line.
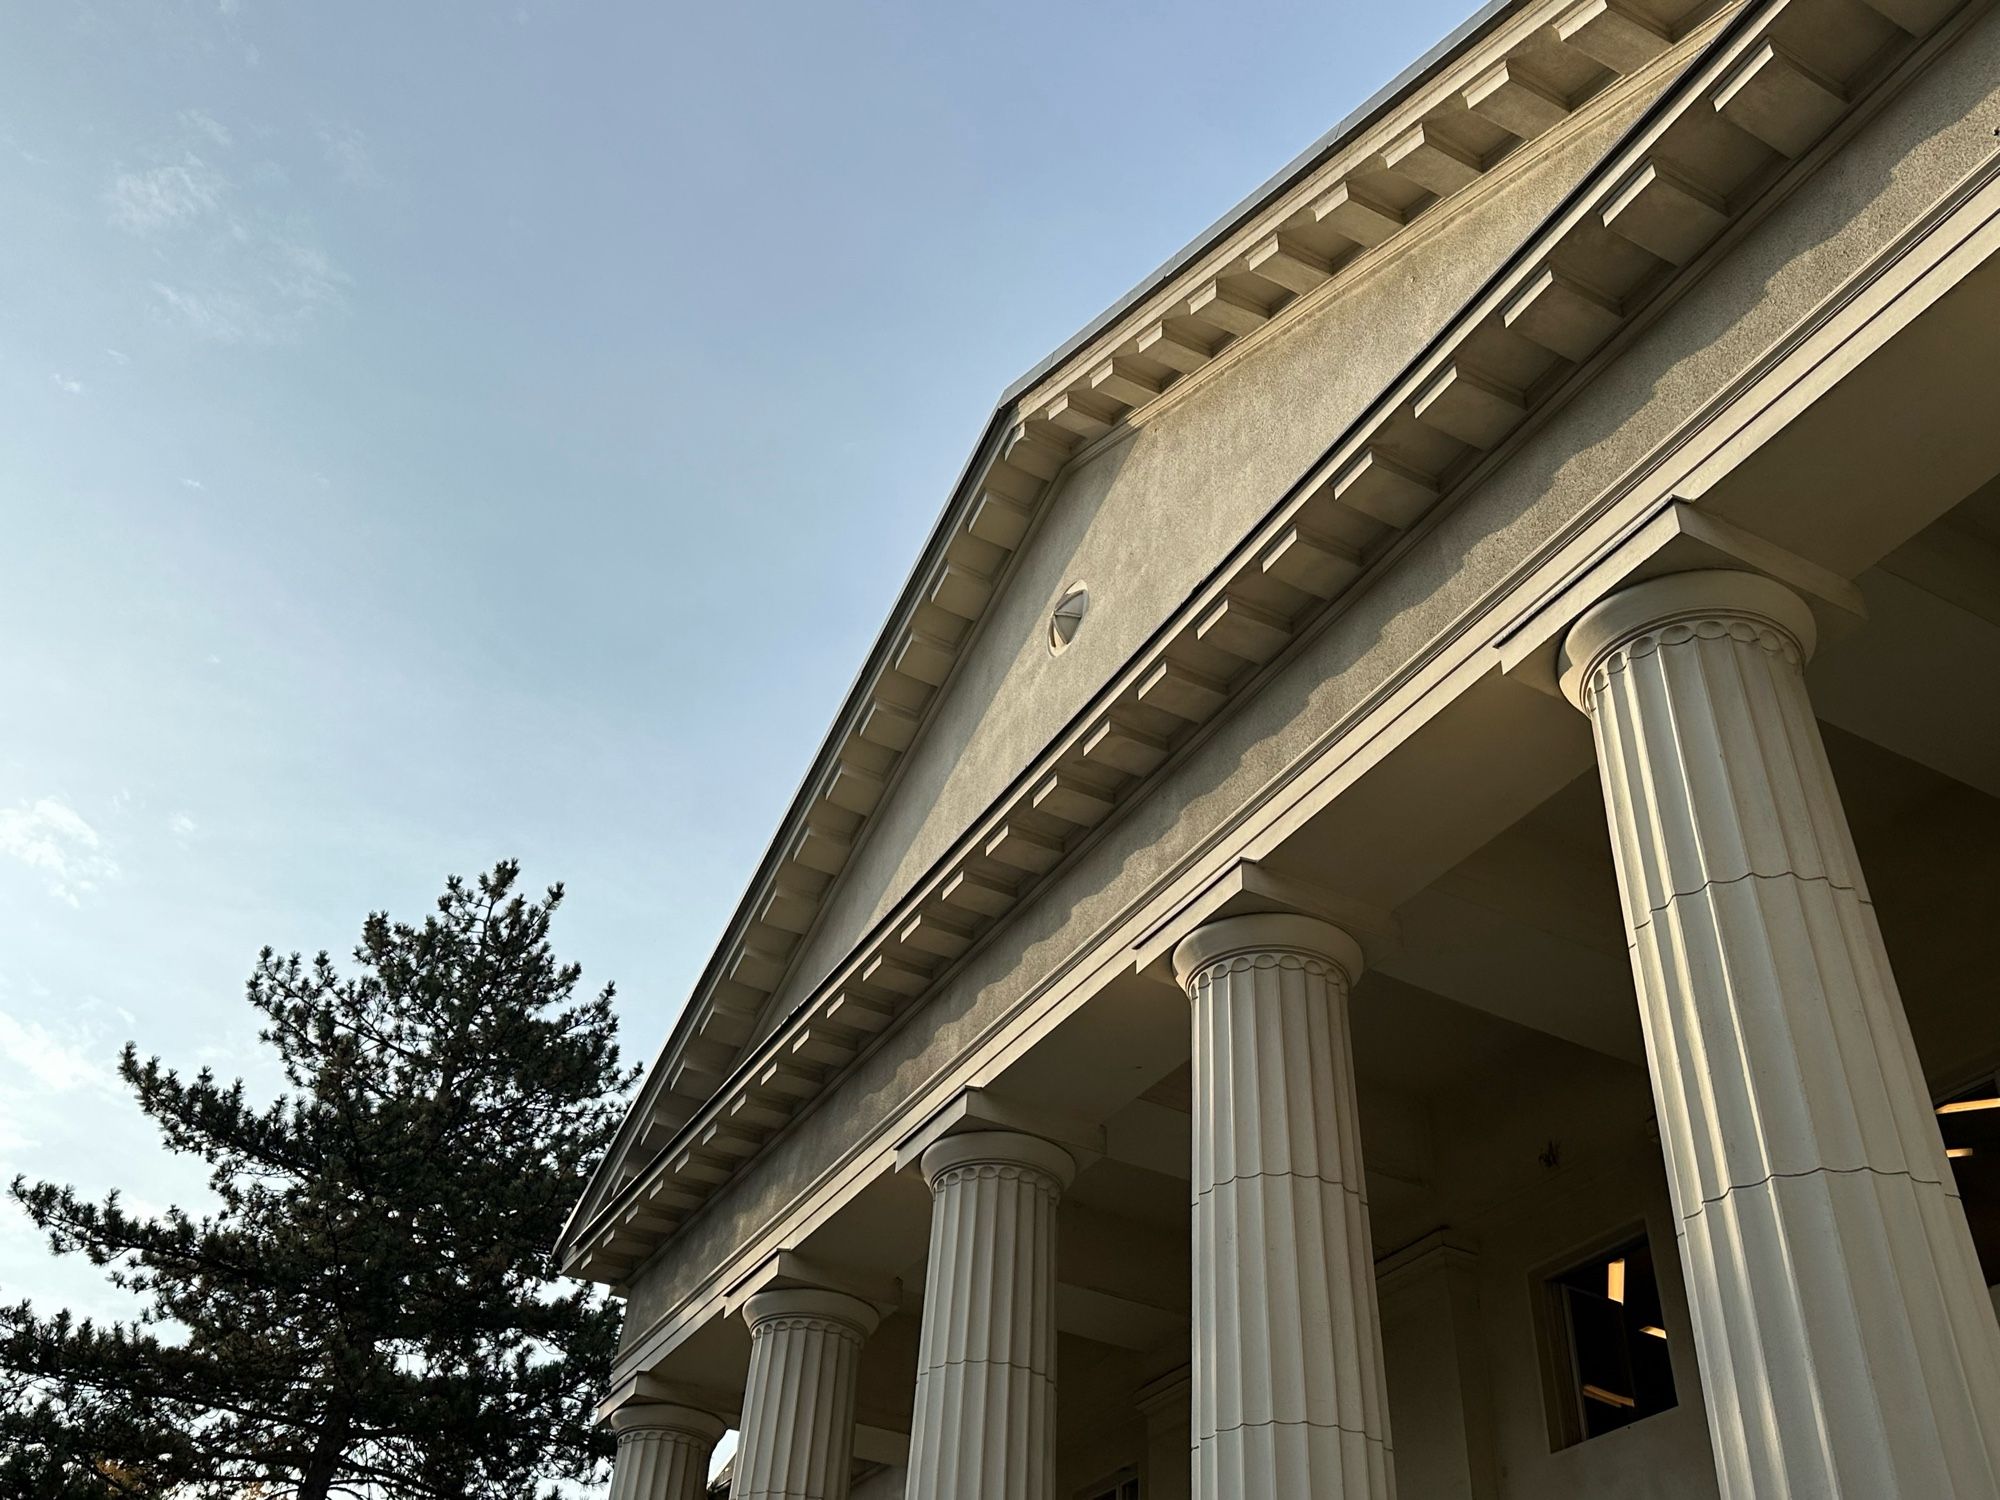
[1714, 143]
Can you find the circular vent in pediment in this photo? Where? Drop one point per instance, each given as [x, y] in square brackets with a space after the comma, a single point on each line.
[1067, 617]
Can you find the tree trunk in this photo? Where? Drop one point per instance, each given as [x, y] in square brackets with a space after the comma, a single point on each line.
[323, 1465]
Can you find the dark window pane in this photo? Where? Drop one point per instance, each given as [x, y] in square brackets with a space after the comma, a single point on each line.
[1614, 1338]
[1970, 1123]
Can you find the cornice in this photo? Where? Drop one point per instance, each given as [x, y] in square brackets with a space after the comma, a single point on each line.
[1776, 80]
[1527, 79]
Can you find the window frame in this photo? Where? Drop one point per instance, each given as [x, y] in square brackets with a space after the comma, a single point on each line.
[1555, 1335]
[1122, 1483]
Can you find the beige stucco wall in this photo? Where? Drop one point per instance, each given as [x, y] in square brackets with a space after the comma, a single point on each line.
[1143, 521]
[1900, 165]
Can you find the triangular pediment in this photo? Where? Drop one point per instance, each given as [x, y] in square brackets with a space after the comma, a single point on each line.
[956, 776]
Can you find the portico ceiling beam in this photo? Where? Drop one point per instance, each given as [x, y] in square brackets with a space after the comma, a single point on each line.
[1120, 1321]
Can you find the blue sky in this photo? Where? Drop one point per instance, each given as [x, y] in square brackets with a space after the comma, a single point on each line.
[432, 432]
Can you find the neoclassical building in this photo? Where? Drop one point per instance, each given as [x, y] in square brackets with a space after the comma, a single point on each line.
[1409, 899]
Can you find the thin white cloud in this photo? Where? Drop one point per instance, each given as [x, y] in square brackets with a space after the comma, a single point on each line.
[193, 484]
[65, 383]
[202, 123]
[119, 356]
[229, 264]
[52, 839]
[32, 158]
[346, 151]
[12, 1142]
[56, 1063]
[268, 291]
[181, 826]
[222, 317]
[165, 197]
[303, 272]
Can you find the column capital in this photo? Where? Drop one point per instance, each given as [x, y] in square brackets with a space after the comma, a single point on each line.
[1267, 932]
[663, 1450]
[794, 1270]
[684, 1421]
[975, 1111]
[1718, 599]
[1000, 1149]
[811, 1307]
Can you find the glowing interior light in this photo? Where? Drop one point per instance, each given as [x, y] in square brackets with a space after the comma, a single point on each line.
[1653, 1329]
[1967, 1106]
[1955, 1152]
[1609, 1398]
[1614, 1279]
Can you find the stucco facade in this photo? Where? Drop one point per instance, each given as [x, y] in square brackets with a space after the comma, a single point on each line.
[1461, 977]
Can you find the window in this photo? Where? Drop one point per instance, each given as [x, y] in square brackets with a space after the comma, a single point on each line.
[1124, 1485]
[1970, 1123]
[1608, 1345]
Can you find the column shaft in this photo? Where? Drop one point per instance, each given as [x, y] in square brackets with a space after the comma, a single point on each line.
[663, 1452]
[986, 1368]
[1846, 1342]
[797, 1440]
[1289, 1397]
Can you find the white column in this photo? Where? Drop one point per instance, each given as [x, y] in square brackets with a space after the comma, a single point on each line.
[663, 1452]
[1847, 1346]
[985, 1423]
[1289, 1397]
[797, 1440]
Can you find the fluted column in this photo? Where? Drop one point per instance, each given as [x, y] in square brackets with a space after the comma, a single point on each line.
[1289, 1397]
[797, 1440]
[985, 1422]
[663, 1452]
[1847, 1346]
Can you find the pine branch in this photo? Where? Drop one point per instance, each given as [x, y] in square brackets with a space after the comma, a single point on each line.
[369, 1293]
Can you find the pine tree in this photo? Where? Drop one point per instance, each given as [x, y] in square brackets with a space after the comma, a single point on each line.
[369, 1310]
